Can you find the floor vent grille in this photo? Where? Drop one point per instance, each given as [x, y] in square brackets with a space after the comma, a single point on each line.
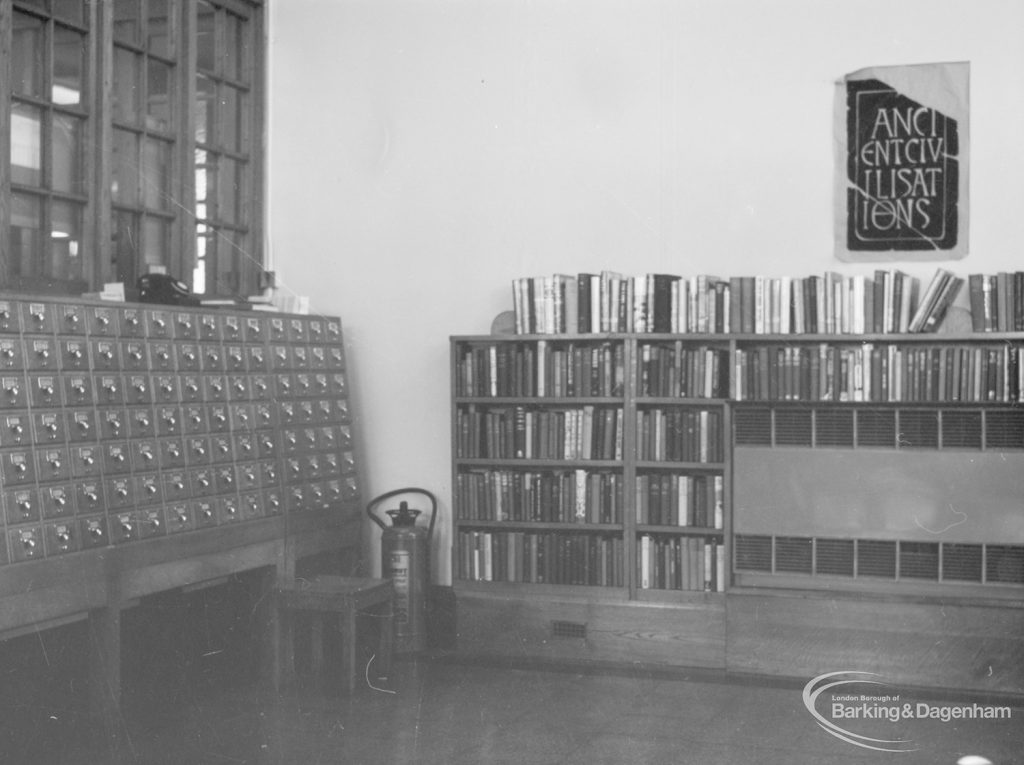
[564, 629]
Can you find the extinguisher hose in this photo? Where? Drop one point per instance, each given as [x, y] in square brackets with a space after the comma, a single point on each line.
[408, 490]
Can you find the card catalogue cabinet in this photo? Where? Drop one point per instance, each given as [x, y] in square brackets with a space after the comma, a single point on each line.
[148, 447]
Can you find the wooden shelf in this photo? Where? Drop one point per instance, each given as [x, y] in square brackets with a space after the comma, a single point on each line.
[721, 628]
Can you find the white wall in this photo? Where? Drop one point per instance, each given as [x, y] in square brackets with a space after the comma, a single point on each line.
[423, 153]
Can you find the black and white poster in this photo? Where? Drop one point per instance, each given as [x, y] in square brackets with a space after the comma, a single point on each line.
[901, 139]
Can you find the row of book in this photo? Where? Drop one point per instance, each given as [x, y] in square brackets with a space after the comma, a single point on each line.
[997, 301]
[679, 371]
[541, 558]
[679, 435]
[540, 369]
[830, 303]
[680, 563]
[680, 500]
[579, 433]
[559, 496]
[881, 373]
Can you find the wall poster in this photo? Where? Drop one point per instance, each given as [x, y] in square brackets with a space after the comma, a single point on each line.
[901, 163]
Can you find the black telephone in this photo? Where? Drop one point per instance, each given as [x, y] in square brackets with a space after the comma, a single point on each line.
[162, 288]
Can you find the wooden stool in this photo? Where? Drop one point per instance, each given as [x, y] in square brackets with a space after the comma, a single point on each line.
[323, 596]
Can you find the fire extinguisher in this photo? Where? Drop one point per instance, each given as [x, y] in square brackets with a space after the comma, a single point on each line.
[405, 559]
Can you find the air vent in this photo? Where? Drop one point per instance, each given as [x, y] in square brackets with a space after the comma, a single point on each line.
[834, 427]
[793, 555]
[919, 560]
[1004, 563]
[1004, 430]
[834, 556]
[792, 427]
[919, 429]
[876, 427]
[961, 563]
[563, 629]
[876, 558]
[753, 553]
[753, 427]
[961, 429]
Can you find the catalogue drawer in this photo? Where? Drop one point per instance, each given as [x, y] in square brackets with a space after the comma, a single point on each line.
[60, 537]
[86, 460]
[93, 531]
[26, 543]
[57, 501]
[22, 506]
[90, 496]
[44, 391]
[74, 355]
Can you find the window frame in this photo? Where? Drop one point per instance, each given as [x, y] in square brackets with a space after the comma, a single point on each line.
[100, 210]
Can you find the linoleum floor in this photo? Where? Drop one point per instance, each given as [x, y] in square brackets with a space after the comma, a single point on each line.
[440, 711]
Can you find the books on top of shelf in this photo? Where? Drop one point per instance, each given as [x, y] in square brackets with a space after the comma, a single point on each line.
[935, 302]
[609, 302]
[997, 301]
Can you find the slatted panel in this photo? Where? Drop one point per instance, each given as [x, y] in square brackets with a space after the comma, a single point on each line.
[834, 557]
[753, 553]
[961, 429]
[919, 429]
[919, 560]
[793, 555]
[1004, 563]
[876, 427]
[1004, 429]
[961, 562]
[876, 558]
[792, 427]
[753, 427]
[833, 427]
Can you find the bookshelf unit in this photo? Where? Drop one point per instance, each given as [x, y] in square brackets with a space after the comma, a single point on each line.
[781, 504]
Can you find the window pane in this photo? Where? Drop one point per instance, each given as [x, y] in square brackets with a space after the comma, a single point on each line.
[229, 175]
[65, 241]
[27, 55]
[228, 280]
[204, 180]
[244, 124]
[158, 29]
[70, 10]
[126, 85]
[229, 115]
[157, 244]
[205, 254]
[232, 65]
[127, 15]
[205, 36]
[158, 111]
[26, 144]
[25, 238]
[67, 154]
[206, 98]
[68, 54]
[156, 159]
[125, 168]
[125, 248]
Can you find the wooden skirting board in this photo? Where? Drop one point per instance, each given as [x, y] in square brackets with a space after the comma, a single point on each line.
[783, 634]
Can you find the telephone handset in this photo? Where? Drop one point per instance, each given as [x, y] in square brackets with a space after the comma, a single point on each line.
[163, 288]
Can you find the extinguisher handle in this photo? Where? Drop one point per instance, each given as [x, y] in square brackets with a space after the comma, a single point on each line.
[408, 490]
